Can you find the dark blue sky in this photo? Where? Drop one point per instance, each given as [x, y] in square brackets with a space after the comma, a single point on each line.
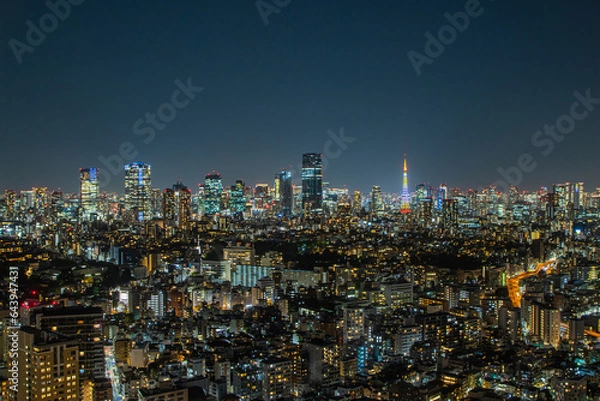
[271, 92]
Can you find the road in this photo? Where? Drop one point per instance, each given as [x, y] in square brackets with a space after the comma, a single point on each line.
[113, 373]
[514, 289]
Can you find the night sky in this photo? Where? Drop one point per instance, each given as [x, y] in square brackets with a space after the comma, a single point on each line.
[272, 92]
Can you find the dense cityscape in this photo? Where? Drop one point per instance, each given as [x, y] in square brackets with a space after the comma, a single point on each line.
[285, 200]
[229, 291]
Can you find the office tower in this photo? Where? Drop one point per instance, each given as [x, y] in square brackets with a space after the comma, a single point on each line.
[449, 214]
[213, 192]
[561, 200]
[10, 197]
[89, 191]
[277, 378]
[237, 202]
[284, 193]
[41, 200]
[330, 200]
[177, 206]
[376, 201]
[552, 207]
[420, 193]
[261, 197]
[356, 201]
[57, 204]
[83, 323]
[442, 194]
[49, 366]
[336, 200]
[312, 182]
[200, 200]
[425, 210]
[138, 190]
[577, 195]
[405, 203]
[156, 203]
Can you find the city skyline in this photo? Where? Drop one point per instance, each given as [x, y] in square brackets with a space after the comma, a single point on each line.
[296, 179]
[460, 120]
[281, 200]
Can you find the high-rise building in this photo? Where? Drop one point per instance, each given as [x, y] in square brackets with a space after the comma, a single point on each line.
[577, 195]
[442, 194]
[213, 192]
[312, 182]
[237, 203]
[138, 190]
[199, 200]
[376, 201]
[177, 206]
[405, 202]
[449, 214]
[356, 201]
[89, 191]
[284, 193]
[57, 205]
[83, 323]
[425, 211]
[420, 193]
[10, 197]
[260, 199]
[49, 366]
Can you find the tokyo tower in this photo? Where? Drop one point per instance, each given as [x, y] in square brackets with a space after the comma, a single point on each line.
[405, 205]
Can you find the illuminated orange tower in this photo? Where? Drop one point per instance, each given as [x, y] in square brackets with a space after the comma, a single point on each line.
[405, 205]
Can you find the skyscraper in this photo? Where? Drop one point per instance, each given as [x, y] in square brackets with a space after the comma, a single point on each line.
[449, 213]
[442, 194]
[138, 190]
[405, 203]
[312, 182]
[177, 203]
[213, 191]
[356, 201]
[10, 197]
[376, 201]
[284, 193]
[89, 191]
[237, 203]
